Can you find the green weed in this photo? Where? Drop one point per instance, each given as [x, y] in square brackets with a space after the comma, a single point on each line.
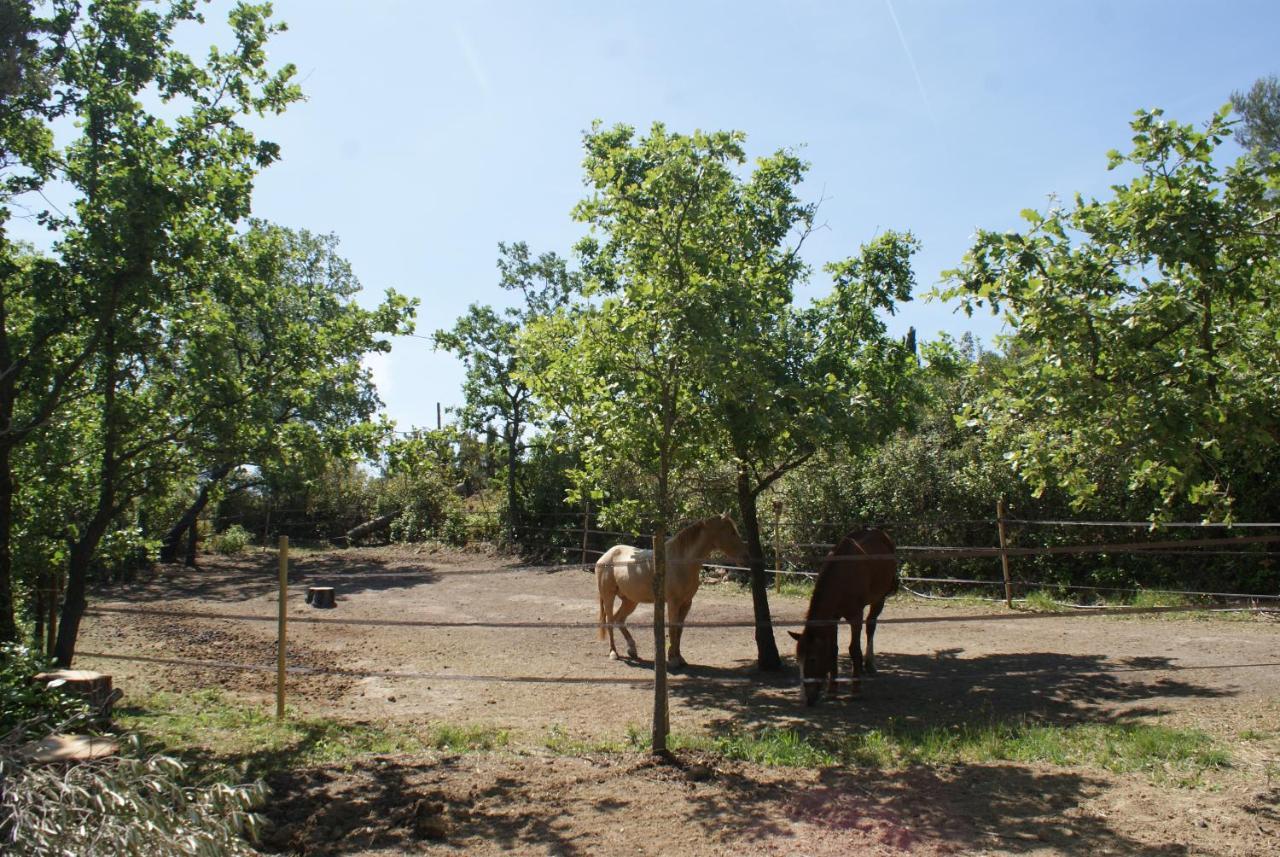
[562, 743]
[1042, 601]
[1164, 754]
[207, 726]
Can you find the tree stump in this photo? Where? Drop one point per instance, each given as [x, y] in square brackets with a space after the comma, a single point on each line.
[321, 596]
[93, 687]
[69, 748]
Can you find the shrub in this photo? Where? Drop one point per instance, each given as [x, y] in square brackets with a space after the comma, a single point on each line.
[232, 540]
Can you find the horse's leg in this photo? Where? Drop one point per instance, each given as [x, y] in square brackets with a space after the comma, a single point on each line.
[620, 619]
[833, 685]
[608, 590]
[678, 613]
[855, 645]
[870, 661]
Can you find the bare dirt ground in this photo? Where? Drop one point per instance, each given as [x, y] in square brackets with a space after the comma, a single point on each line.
[941, 665]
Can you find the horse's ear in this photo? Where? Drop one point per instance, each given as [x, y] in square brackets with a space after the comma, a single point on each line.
[795, 636]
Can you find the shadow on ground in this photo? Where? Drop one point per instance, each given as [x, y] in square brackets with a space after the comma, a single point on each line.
[462, 802]
[944, 689]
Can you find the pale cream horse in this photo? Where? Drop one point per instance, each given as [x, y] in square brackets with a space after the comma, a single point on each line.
[627, 573]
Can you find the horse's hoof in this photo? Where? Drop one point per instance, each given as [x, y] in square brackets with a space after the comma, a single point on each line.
[633, 655]
[676, 664]
[613, 656]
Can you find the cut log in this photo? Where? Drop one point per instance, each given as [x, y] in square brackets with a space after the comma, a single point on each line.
[69, 748]
[367, 528]
[321, 596]
[93, 687]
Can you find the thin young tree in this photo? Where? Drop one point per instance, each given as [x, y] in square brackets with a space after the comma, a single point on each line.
[485, 340]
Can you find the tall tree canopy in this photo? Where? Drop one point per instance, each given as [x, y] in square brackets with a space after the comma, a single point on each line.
[281, 336]
[1145, 326]
[160, 169]
[1259, 110]
[629, 361]
[485, 340]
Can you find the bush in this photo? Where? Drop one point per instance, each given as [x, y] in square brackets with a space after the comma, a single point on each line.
[232, 540]
[124, 805]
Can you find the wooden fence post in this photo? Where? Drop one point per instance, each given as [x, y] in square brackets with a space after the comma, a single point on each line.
[586, 523]
[777, 545]
[1004, 556]
[280, 635]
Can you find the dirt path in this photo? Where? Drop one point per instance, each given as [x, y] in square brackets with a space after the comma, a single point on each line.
[939, 667]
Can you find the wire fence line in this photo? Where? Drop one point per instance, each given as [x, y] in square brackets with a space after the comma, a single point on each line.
[1146, 524]
[780, 622]
[675, 679]
[1242, 596]
[940, 552]
[282, 669]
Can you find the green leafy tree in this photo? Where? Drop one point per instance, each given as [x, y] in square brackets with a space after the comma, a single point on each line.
[40, 350]
[282, 337]
[1144, 327]
[786, 381]
[1259, 110]
[485, 340]
[156, 196]
[627, 364]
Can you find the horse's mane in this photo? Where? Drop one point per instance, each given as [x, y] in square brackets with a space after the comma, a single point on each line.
[685, 535]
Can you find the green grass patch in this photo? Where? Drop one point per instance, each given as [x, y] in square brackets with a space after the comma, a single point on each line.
[1043, 601]
[1164, 754]
[793, 586]
[562, 743]
[773, 747]
[1155, 598]
[209, 728]
[216, 733]
[946, 599]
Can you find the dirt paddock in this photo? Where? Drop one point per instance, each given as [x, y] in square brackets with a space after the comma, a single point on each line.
[1215, 674]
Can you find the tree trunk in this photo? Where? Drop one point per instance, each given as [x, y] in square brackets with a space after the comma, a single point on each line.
[83, 549]
[74, 602]
[767, 657]
[661, 722]
[185, 524]
[8, 624]
[193, 543]
[38, 597]
[513, 512]
[379, 523]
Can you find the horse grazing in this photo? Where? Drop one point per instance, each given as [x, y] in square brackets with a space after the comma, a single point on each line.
[627, 573]
[846, 584]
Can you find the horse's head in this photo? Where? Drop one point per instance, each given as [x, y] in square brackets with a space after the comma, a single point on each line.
[815, 654]
[724, 537]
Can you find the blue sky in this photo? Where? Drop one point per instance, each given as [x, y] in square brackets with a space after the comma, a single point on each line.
[433, 131]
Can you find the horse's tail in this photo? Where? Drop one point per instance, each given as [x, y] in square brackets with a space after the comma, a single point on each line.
[600, 573]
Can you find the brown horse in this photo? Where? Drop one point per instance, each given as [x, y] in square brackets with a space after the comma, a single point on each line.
[627, 573]
[859, 572]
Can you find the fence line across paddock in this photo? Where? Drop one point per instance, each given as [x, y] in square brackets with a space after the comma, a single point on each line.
[780, 622]
[636, 681]
[1004, 551]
